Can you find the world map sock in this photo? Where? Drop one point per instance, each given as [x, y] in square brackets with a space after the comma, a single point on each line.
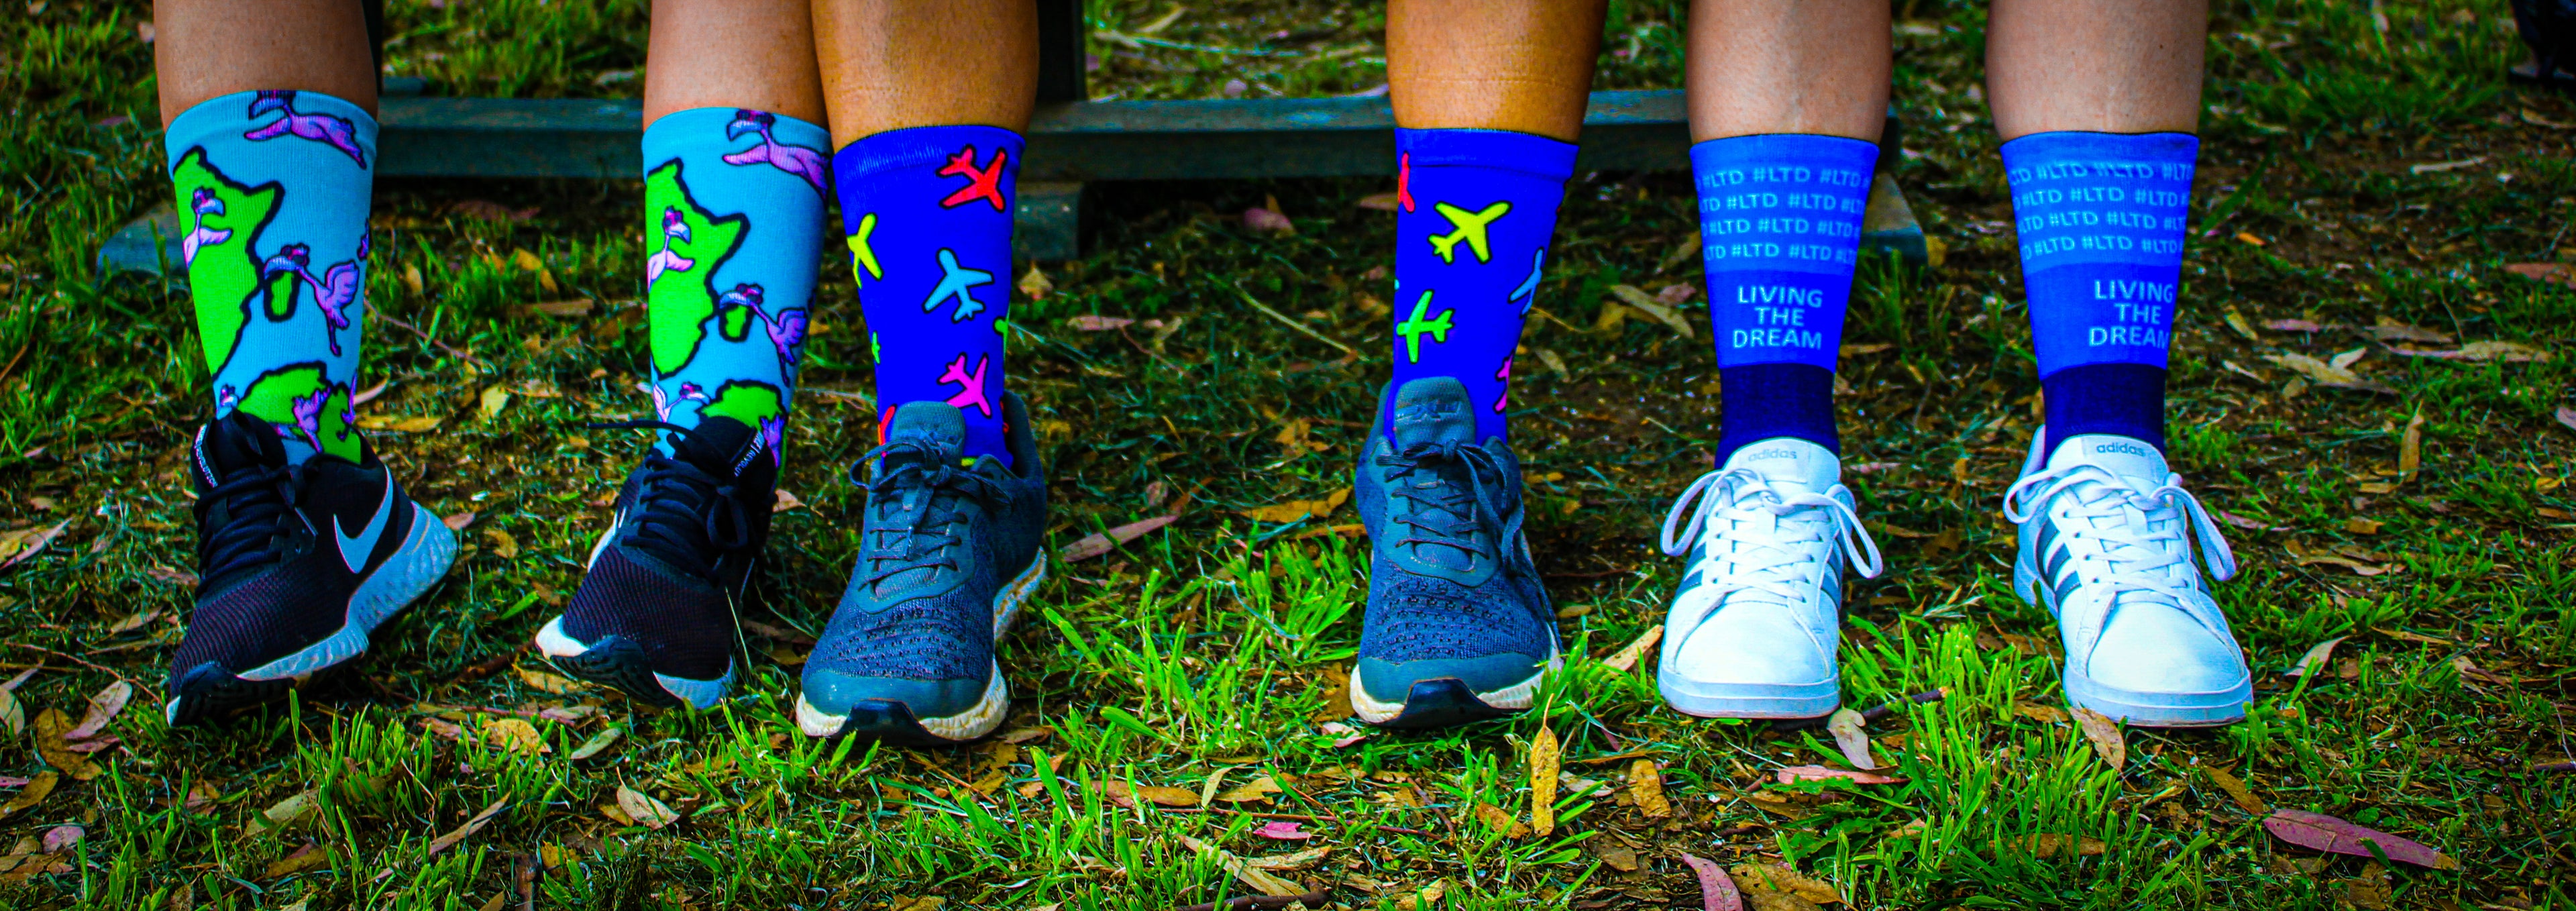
[272, 192]
[927, 214]
[1474, 210]
[2100, 218]
[1779, 222]
[733, 215]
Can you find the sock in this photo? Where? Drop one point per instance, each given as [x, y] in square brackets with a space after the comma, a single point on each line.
[1779, 224]
[927, 211]
[2100, 218]
[1474, 211]
[273, 188]
[733, 216]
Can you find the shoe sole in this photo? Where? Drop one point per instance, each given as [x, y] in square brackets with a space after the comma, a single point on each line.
[616, 662]
[893, 722]
[2152, 710]
[1445, 701]
[205, 693]
[1747, 700]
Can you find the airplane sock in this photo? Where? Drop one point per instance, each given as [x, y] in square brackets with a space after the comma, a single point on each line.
[272, 189]
[1474, 212]
[2100, 218]
[1779, 222]
[927, 211]
[733, 218]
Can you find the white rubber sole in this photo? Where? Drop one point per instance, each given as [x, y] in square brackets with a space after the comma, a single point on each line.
[419, 564]
[699, 694]
[987, 712]
[1748, 700]
[1513, 698]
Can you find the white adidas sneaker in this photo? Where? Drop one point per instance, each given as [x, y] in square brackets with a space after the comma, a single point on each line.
[1753, 630]
[2106, 543]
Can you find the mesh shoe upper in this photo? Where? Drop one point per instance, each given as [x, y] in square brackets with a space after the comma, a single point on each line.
[690, 526]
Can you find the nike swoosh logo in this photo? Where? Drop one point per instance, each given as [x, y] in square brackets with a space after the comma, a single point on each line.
[355, 549]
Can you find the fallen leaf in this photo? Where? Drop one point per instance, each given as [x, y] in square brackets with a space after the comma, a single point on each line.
[201, 798]
[548, 683]
[2389, 330]
[1282, 830]
[526, 261]
[1543, 767]
[2320, 832]
[12, 714]
[1260, 880]
[2469, 670]
[2237, 791]
[2543, 272]
[1782, 878]
[411, 278]
[309, 857]
[50, 728]
[2325, 374]
[2358, 568]
[2567, 417]
[503, 546]
[2045, 714]
[1382, 202]
[103, 708]
[1018, 736]
[1716, 891]
[579, 306]
[2293, 325]
[2437, 167]
[646, 811]
[17, 546]
[1295, 510]
[1125, 795]
[135, 621]
[515, 735]
[297, 807]
[2248, 239]
[1637, 298]
[1090, 322]
[1293, 861]
[2507, 352]
[1616, 853]
[1103, 542]
[1501, 820]
[1034, 283]
[2050, 844]
[458, 521]
[2105, 735]
[597, 744]
[1821, 773]
[172, 575]
[1646, 787]
[61, 838]
[2316, 656]
[1258, 789]
[1847, 728]
[2236, 321]
[923, 903]
[471, 826]
[34, 793]
[1425, 897]
[1268, 222]
[1625, 659]
[495, 397]
[1337, 696]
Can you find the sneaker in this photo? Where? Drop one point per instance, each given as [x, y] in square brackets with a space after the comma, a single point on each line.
[1458, 627]
[1752, 632]
[949, 548]
[656, 614]
[2106, 535]
[295, 565]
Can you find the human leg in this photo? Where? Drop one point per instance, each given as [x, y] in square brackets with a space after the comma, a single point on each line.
[734, 184]
[927, 103]
[1488, 98]
[2096, 101]
[271, 143]
[1786, 103]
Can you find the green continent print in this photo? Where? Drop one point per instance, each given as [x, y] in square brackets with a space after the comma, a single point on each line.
[224, 220]
[679, 280]
[303, 406]
[746, 401]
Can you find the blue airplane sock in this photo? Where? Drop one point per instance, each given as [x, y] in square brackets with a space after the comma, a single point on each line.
[927, 214]
[733, 218]
[2101, 223]
[1779, 230]
[272, 190]
[1474, 209]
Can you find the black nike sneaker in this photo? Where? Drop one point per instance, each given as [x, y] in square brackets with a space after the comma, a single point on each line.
[295, 565]
[949, 549]
[656, 615]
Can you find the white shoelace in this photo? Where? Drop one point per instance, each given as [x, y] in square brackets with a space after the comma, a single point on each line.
[2141, 533]
[1744, 517]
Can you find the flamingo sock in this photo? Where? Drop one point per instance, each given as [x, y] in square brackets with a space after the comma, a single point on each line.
[1475, 209]
[272, 190]
[733, 215]
[927, 211]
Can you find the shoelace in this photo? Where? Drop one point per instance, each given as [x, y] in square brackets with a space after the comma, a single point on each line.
[922, 533]
[683, 514]
[1724, 503]
[1472, 509]
[2131, 550]
[257, 504]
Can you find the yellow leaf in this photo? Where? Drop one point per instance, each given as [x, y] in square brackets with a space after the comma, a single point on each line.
[1260, 880]
[50, 727]
[1646, 786]
[1783, 878]
[38, 786]
[495, 398]
[548, 683]
[1642, 302]
[643, 809]
[1501, 820]
[1258, 789]
[308, 857]
[503, 546]
[515, 735]
[1034, 284]
[1625, 659]
[411, 278]
[1542, 766]
[2105, 735]
[2410, 447]
[526, 261]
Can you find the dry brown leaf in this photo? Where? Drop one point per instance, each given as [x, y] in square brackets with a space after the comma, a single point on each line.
[1625, 659]
[1542, 767]
[1260, 880]
[2046, 714]
[503, 545]
[495, 397]
[2316, 656]
[1425, 897]
[1382, 202]
[1294, 510]
[1095, 545]
[515, 735]
[543, 682]
[1821, 773]
[2390, 330]
[1125, 795]
[2105, 735]
[297, 807]
[1781, 878]
[2335, 836]
[1847, 727]
[1297, 861]
[135, 621]
[1256, 790]
[643, 809]
[787, 500]
[1616, 853]
[2238, 792]
[17, 546]
[1501, 820]
[1642, 302]
[50, 728]
[597, 744]
[1646, 787]
[1337, 695]
[471, 826]
[38, 786]
[309, 857]
[103, 708]
[1034, 284]
[2050, 844]
[11, 714]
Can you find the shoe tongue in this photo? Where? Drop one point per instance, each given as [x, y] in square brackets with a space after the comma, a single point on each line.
[1790, 464]
[719, 445]
[1433, 410]
[238, 442]
[937, 427]
[2128, 457]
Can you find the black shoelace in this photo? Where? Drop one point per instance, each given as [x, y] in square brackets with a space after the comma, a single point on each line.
[915, 505]
[1469, 486]
[258, 506]
[683, 514]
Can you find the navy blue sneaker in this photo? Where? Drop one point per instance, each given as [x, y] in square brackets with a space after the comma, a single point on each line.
[1458, 626]
[296, 564]
[656, 615]
[948, 549]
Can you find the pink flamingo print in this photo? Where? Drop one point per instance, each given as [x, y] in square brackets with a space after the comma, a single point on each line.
[972, 391]
[201, 204]
[786, 330]
[1504, 400]
[773, 434]
[335, 291]
[335, 132]
[798, 160]
[308, 418]
[226, 399]
[674, 228]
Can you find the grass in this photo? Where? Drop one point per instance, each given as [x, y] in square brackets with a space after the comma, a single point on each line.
[1204, 656]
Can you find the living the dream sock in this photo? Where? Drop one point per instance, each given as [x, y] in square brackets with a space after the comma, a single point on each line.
[927, 212]
[1474, 209]
[272, 192]
[1779, 223]
[733, 216]
[2100, 218]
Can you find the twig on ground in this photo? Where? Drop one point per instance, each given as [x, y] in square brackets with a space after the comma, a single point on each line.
[13, 359]
[1310, 899]
[1290, 323]
[424, 336]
